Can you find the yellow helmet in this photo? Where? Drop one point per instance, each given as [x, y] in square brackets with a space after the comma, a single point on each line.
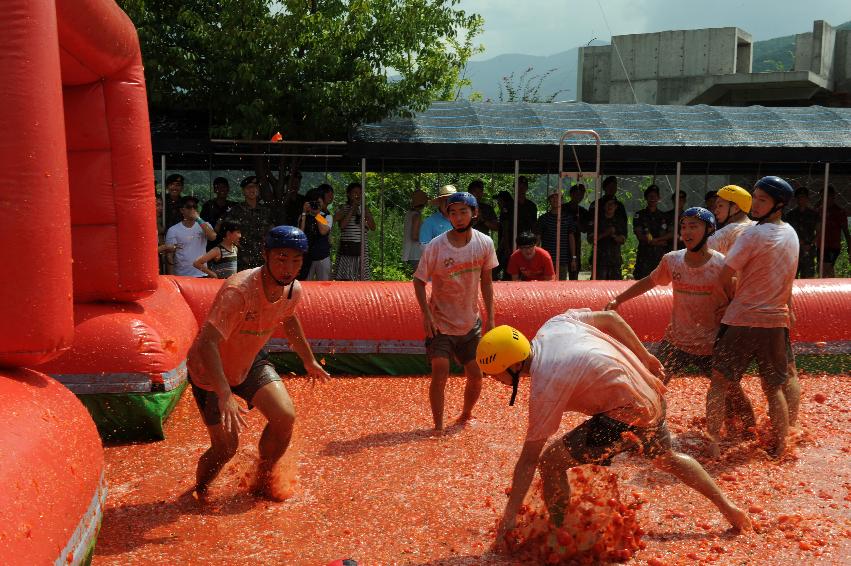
[501, 348]
[737, 195]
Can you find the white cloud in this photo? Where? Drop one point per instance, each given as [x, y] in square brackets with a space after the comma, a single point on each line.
[544, 27]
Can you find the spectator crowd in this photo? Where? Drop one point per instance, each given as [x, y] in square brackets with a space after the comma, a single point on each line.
[225, 236]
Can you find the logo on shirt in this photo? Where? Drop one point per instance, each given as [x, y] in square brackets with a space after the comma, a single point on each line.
[251, 315]
[676, 276]
[448, 262]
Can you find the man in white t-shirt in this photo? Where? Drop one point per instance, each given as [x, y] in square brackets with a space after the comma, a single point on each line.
[699, 303]
[189, 237]
[591, 363]
[732, 205]
[458, 263]
[757, 321]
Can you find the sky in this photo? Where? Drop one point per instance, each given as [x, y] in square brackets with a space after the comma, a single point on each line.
[545, 27]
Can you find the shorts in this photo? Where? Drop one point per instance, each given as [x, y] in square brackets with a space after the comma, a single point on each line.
[262, 373]
[600, 438]
[678, 361]
[831, 255]
[463, 348]
[738, 345]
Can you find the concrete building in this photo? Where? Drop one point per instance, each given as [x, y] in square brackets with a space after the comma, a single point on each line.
[713, 66]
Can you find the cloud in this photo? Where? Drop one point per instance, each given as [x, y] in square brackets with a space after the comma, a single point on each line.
[545, 27]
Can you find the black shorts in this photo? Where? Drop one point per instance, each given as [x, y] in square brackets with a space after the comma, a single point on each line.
[677, 361]
[738, 345]
[262, 373]
[462, 347]
[601, 438]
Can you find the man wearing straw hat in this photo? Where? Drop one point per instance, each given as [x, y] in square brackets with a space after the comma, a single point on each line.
[437, 223]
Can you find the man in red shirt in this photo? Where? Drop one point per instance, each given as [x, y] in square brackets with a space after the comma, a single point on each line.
[530, 262]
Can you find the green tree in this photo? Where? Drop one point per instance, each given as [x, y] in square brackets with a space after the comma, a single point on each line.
[526, 87]
[311, 69]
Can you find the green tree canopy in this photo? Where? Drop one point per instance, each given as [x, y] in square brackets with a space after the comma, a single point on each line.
[308, 68]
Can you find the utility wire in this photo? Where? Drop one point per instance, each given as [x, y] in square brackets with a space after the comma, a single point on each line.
[617, 51]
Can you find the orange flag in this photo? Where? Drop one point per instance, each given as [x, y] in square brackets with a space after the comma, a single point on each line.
[277, 137]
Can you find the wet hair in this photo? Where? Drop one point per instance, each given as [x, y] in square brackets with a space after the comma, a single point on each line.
[651, 189]
[526, 239]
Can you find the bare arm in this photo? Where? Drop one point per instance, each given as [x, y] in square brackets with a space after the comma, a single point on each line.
[416, 222]
[299, 345]
[725, 280]
[638, 288]
[612, 324]
[231, 411]
[422, 300]
[524, 472]
[201, 263]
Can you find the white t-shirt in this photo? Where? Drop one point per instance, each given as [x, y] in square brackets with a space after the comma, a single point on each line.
[766, 259]
[576, 367]
[455, 275]
[192, 244]
[724, 238]
[698, 301]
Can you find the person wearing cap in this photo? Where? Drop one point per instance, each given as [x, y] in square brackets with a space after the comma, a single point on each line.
[173, 188]
[188, 238]
[438, 222]
[411, 247]
[227, 360]
[756, 324]
[458, 263]
[732, 205]
[216, 209]
[591, 363]
[255, 219]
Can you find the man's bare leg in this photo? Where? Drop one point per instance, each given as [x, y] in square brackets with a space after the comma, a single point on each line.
[437, 390]
[738, 403]
[792, 392]
[778, 413]
[715, 399]
[274, 402]
[223, 446]
[691, 473]
[472, 389]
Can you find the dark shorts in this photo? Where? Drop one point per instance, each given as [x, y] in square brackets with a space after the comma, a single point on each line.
[738, 345]
[677, 361]
[601, 438]
[262, 373]
[830, 256]
[463, 348]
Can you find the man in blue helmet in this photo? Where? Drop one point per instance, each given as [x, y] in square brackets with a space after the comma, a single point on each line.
[458, 263]
[756, 324]
[698, 301]
[227, 359]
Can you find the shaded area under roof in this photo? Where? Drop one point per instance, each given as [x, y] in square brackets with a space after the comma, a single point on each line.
[485, 136]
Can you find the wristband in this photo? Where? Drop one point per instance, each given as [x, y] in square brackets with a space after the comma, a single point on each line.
[199, 221]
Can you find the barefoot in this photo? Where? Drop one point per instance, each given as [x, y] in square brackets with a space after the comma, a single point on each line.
[436, 432]
[738, 518]
[195, 495]
[464, 418]
[263, 489]
[777, 450]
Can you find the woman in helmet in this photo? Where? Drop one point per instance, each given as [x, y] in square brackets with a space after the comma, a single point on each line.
[732, 205]
[756, 324]
[458, 263]
[227, 359]
[591, 363]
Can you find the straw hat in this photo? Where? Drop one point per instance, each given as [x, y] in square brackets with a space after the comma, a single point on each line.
[419, 198]
[444, 192]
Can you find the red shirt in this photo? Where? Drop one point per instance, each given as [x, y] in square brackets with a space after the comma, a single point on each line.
[539, 268]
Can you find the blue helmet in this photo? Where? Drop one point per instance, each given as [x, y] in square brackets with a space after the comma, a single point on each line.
[701, 214]
[462, 197]
[781, 191]
[286, 237]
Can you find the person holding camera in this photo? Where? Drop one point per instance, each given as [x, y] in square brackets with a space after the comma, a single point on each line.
[316, 222]
[352, 225]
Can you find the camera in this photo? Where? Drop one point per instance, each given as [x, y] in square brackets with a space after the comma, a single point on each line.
[314, 205]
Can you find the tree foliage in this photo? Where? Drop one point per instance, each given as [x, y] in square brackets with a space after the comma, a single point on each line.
[308, 68]
[526, 87]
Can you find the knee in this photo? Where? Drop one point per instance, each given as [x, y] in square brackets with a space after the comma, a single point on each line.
[224, 452]
[283, 420]
[439, 370]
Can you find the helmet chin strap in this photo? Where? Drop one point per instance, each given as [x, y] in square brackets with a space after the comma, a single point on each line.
[762, 219]
[275, 279]
[702, 241]
[515, 382]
